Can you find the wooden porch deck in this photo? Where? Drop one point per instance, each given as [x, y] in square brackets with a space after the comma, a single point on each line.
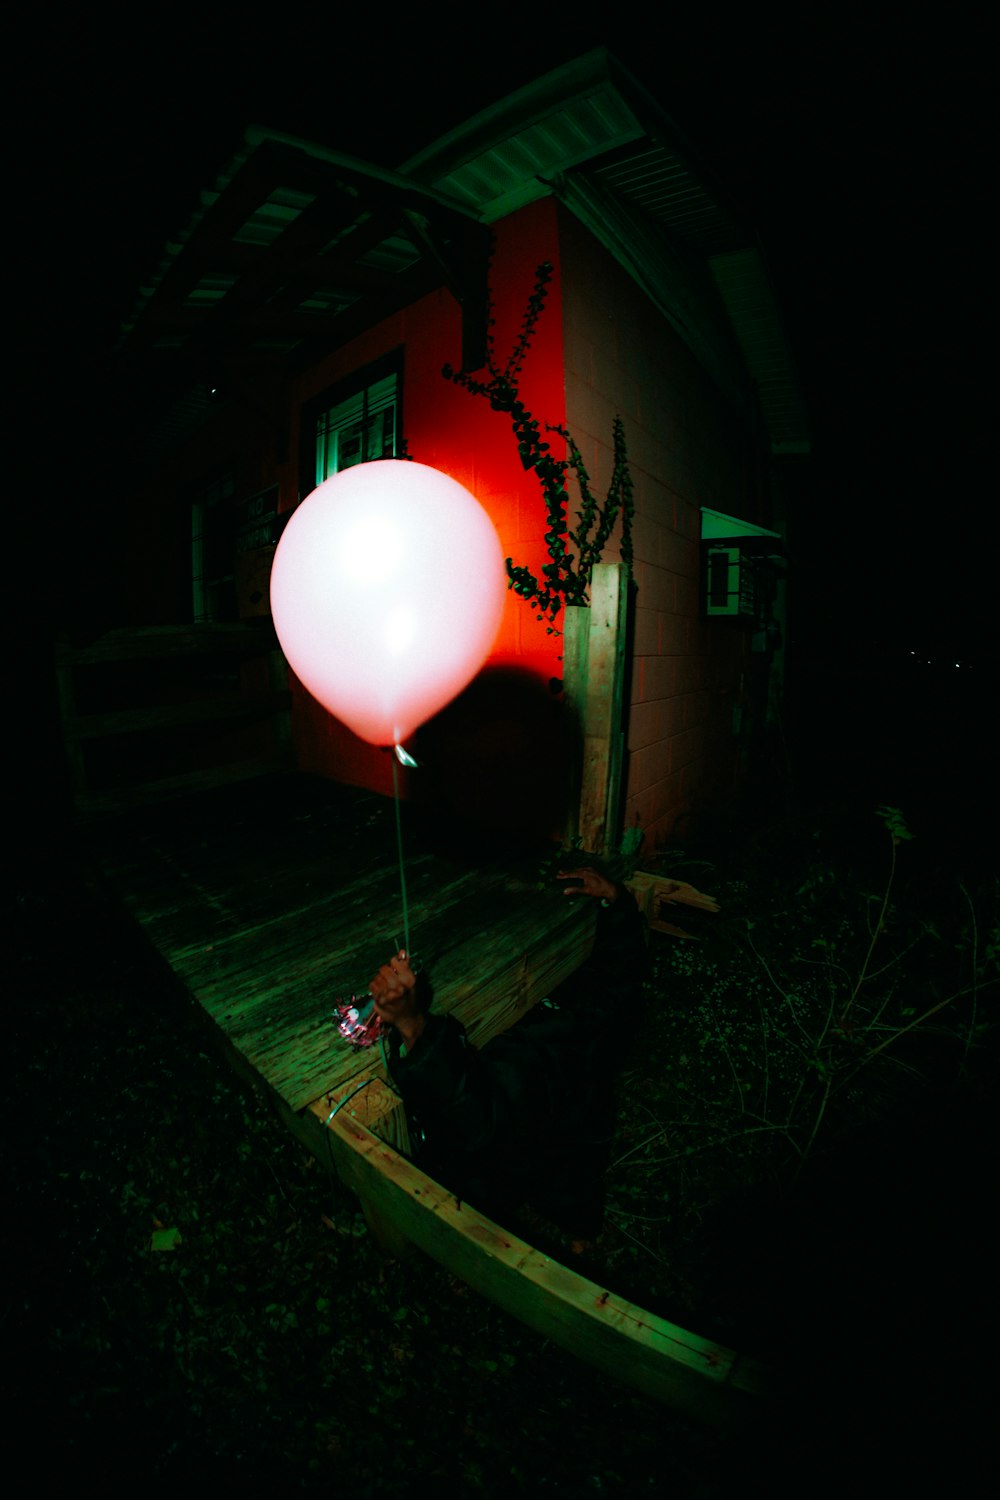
[270, 900]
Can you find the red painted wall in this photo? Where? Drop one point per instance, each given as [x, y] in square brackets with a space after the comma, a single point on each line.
[461, 435]
[255, 434]
[687, 447]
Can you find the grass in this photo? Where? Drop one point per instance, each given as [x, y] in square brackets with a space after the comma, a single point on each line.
[840, 1000]
[192, 1293]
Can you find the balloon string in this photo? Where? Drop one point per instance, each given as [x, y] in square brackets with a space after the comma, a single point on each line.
[399, 847]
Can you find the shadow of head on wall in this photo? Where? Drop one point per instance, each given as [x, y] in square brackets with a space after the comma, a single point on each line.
[497, 766]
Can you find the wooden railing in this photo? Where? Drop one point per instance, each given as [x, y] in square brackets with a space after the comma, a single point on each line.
[154, 712]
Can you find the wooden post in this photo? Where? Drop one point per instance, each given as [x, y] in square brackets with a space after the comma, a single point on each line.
[594, 646]
[576, 637]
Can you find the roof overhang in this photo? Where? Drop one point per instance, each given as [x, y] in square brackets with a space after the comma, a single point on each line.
[296, 248]
[593, 136]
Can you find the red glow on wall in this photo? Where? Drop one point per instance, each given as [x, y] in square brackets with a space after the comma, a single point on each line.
[450, 430]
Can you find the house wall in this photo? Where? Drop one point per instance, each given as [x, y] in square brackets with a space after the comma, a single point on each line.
[599, 349]
[687, 447]
[451, 430]
[444, 426]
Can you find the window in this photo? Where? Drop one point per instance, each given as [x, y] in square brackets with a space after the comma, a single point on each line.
[356, 423]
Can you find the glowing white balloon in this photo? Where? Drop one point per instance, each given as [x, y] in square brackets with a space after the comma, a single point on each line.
[387, 589]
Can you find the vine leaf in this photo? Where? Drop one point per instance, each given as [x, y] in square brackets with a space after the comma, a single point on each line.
[565, 578]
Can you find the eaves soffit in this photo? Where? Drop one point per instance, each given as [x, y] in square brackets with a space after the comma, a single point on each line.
[590, 114]
[593, 136]
[294, 241]
[506, 156]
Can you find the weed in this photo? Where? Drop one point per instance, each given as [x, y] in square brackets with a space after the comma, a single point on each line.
[815, 1004]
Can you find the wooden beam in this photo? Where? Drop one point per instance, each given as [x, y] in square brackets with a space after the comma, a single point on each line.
[691, 1374]
[220, 708]
[594, 673]
[144, 794]
[145, 642]
[575, 643]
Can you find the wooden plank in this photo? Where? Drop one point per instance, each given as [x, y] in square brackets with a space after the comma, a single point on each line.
[575, 642]
[234, 858]
[120, 799]
[661, 899]
[218, 708]
[691, 1374]
[370, 1100]
[145, 643]
[267, 931]
[596, 691]
[493, 946]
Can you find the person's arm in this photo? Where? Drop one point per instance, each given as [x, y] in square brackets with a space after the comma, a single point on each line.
[440, 1077]
[612, 977]
[394, 993]
[589, 882]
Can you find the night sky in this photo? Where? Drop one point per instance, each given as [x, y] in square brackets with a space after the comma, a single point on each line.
[859, 146]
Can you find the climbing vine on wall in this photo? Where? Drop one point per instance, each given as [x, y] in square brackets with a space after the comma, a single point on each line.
[572, 550]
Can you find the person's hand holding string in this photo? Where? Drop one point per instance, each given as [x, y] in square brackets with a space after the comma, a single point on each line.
[394, 994]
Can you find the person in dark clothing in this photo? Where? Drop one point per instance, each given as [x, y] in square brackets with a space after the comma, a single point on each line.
[526, 1120]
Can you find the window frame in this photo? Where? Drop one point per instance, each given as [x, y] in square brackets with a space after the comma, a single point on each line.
[358, 383]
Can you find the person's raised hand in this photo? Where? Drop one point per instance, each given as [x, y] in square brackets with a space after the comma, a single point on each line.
[588, 882]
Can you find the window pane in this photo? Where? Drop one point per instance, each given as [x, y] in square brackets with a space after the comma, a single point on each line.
[358, 429]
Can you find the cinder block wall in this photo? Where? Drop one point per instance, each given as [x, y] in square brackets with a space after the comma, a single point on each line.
[687, 447]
